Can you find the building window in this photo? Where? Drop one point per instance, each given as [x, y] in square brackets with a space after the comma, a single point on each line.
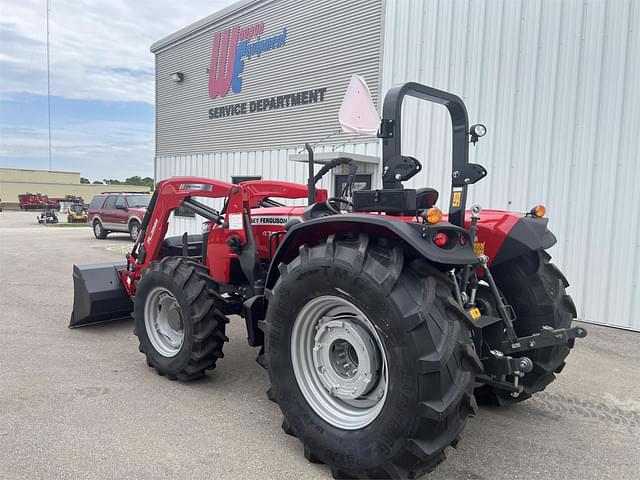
[361, 182]
[239, 179]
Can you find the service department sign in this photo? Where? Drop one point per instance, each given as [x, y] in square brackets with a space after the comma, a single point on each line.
[270, 103]
[231, 49]
[269, 74]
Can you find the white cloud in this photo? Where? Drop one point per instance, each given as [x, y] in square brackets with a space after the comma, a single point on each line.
[99, 49]
[98, 149]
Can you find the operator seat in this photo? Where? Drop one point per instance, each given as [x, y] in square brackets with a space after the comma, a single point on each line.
[426, 197]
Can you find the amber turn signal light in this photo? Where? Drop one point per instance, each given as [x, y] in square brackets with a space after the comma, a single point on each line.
[433, 215]
[538, 211]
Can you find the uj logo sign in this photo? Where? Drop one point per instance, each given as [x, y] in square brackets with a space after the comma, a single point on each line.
[231, 48]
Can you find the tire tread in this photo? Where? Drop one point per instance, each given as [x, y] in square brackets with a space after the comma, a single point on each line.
[208, 321]
[535, 277]
[435, 322]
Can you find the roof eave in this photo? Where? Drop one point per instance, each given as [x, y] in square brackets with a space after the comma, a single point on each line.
[202, 24]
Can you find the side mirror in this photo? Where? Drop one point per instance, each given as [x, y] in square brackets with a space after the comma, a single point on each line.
[357, 113]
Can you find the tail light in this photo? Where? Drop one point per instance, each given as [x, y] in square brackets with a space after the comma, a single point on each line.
[441, 239]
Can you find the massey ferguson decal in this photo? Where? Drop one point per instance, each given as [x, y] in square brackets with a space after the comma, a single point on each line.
[231, 48]
[272, 220]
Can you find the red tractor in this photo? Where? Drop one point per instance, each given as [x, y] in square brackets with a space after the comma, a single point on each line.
[37, 201]
[379, 320]
[30, 201]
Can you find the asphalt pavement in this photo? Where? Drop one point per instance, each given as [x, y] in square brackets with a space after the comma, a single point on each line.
[82, 403]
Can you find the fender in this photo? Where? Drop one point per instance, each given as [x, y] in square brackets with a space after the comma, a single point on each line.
[527, 234]
[416, 236]
[507, 235]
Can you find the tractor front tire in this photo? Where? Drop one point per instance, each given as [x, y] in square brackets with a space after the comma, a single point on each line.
[180, 329]
[369, 357]
[536, 289]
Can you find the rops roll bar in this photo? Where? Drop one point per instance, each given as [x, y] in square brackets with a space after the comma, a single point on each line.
[398, 168]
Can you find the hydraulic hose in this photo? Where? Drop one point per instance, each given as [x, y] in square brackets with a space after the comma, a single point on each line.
[333, 164]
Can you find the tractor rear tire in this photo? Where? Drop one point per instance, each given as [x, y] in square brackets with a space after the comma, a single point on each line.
[427, 361]
[180, 329]
[536, 289]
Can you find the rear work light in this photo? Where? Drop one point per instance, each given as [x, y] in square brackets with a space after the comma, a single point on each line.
[441, 239]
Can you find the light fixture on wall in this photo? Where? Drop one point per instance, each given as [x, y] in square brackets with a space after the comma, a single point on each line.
[177, 77]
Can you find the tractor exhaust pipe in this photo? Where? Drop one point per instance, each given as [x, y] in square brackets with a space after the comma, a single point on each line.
[311, 182]
[98, 294]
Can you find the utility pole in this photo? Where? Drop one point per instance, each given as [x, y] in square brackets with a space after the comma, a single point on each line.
[49, 84]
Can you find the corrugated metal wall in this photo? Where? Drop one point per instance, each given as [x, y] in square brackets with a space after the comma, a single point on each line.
[557, 84]
[325, 43]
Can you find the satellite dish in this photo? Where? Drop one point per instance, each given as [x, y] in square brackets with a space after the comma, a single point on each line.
[357, 113]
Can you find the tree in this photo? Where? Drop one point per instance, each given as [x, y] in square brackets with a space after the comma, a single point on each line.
[148, 181]
[142, 182]
[84, 180]
[135, 180]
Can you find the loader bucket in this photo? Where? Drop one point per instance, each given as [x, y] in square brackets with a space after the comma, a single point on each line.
[98, 295]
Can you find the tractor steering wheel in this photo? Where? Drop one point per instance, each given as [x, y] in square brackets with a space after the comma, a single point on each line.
[336, 208]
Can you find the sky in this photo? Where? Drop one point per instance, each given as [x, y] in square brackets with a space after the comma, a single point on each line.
[102, 82]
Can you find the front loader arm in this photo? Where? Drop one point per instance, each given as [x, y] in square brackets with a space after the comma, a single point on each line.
[176, 192]
[171, 194]
[259, 190]
[98, 296]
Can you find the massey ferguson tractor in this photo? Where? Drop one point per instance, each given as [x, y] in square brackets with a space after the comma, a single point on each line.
[380, 320]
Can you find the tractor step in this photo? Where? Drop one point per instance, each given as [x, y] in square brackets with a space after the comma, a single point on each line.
[98, 294]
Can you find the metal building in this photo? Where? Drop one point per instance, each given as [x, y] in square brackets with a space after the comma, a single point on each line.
[55, 184]
[555, 83]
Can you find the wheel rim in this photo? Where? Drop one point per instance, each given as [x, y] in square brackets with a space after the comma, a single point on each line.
[163, 322]
[339, 362]
[135, 231]
[97, 229]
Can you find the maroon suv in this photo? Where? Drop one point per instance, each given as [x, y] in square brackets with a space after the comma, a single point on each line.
[117, 212]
